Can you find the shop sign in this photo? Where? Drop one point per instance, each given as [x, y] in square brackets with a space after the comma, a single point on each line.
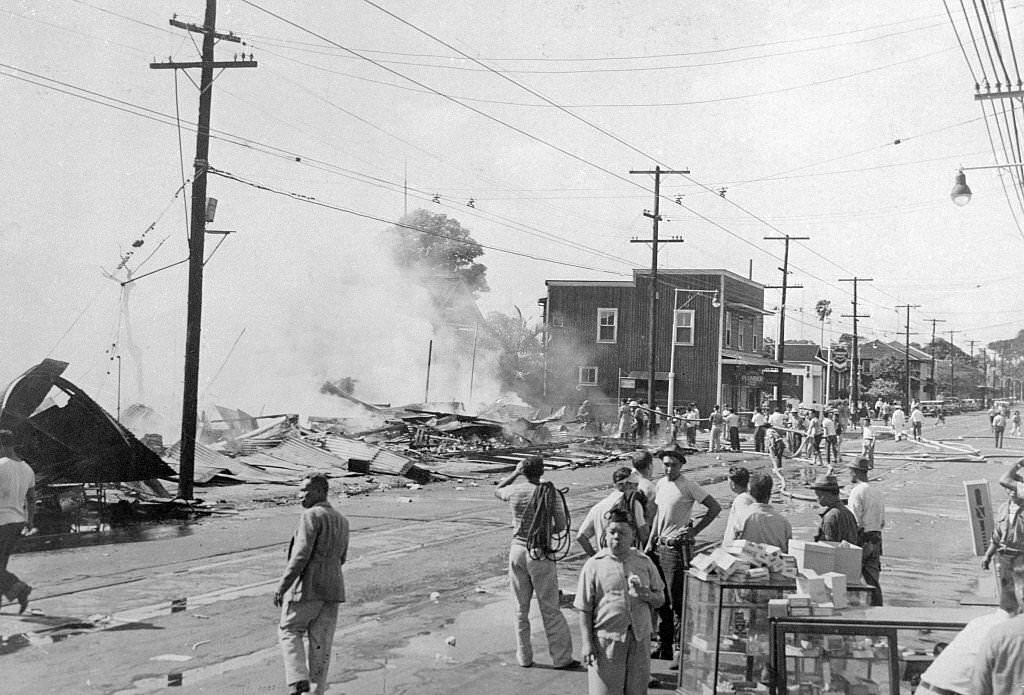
[626, 383]
[979, 511]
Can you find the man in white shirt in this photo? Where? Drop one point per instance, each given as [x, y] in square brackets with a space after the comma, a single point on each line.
[916, 422]
[739, 478]
[777, 419]
[759, 421]
[760, 523]
[868, 507]
[868, 443]
[591, 534]
[17, 509]
[642, 461]
[899, 421]
[828, 427]
[671, 532]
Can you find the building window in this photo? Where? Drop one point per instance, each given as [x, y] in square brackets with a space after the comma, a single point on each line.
[607, 325]
[756, 340]
[588, 376]
[682, 326]
[557, 319]
[728, 329]
[739, 334]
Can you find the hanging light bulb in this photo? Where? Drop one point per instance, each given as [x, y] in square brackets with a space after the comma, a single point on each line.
[961, 193]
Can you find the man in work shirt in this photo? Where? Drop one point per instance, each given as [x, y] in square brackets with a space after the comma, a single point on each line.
[1007, 544]
[868, 507]
[759, 421]
[717, 425]
[868, 442]
[670, 534]
[828, 427]
[17, 508]
[761, 523]
[739, 479]
[916, 422]
[591, 534]
[837, 522]
[532, 573]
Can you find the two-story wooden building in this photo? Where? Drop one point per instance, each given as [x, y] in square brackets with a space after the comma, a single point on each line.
[708, 339]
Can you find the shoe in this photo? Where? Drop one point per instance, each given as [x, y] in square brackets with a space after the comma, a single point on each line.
[661, 655]
[571, 666]
[529, 665]
[298, 687]
[22, 597]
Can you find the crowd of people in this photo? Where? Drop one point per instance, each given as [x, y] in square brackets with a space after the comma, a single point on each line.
[639, 540]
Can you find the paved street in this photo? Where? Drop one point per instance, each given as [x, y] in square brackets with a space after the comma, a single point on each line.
[392, 638]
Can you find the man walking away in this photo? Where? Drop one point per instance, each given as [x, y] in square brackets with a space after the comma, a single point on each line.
[998, 426]
[899, 421]
[692, 422]
[776, 447]
[671, 533]
[17, 510]
[617, 592]
[312, 588]
[868, 507]
[837, 522]
[539, 517]
[916, 422]
[828, 426]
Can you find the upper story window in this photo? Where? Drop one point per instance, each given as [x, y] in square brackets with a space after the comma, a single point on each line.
[682, 326]
[607, 325]
[740, 337]
[755, 343]
[728, 329]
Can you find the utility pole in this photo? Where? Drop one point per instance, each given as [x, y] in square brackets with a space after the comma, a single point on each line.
[972, 342]
[652, 314]
[780, 347]
[952, 363]
[908, 307]
[197, 231]
[855, 370]
[932, 388]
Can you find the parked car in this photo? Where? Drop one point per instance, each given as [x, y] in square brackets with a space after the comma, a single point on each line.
[952, 406]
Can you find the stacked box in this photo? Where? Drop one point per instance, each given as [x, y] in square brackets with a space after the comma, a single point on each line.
[823, 609]
[836, 582]
[778, 608]
[757, 574]
[820, 557]
[789, 567]
[808, 582]
[847, 559]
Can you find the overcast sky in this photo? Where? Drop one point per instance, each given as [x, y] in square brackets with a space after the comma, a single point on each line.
[842, 122]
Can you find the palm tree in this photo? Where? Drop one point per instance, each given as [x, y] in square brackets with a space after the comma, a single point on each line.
[823, 309]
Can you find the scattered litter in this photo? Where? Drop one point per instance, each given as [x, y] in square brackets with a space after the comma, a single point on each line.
[404, 499]
[459, 488]
[472, 484]
[201, 616]
[414, 486]
[99, 619]
[445, 659]
[36, 611]
[450, 641]
[199, 644]
[171, 657]
[480, 590]
[435, 596]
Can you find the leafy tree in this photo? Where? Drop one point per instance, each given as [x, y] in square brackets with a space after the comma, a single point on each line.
[823, 309]
[520, 352]
[437, 243]
[886, 389]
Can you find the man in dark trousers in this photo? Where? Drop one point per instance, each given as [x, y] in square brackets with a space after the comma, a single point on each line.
[311, 589]
[868, 507]
[17, 505]
[837, 522]
[672, 537]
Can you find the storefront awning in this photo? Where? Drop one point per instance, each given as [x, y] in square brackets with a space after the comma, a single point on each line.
[731, 357]
[747, 309]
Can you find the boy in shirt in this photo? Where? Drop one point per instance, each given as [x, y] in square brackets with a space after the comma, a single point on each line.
[618, 590]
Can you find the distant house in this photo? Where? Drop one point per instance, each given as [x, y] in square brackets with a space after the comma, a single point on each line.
[807, 365]
[871, 352]
[708, 340]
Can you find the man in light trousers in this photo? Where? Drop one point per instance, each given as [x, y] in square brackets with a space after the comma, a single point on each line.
[311, 589]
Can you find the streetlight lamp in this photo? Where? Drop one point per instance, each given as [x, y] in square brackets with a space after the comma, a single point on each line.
[716, 303]
[961, 193]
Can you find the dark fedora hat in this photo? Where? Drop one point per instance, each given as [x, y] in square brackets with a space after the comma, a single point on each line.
[825, 482]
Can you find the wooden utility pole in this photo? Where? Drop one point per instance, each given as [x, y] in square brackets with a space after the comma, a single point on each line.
[652, 314]
[780, 347]
[197, 230]
[855, 369]
[952, 363]
[933, 388]
[908, 307]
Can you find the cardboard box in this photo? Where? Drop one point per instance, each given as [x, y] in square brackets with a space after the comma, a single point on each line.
[820, 557]
[778, 608]
[835, 582]
[847, 559]
[757, 574]
[808, 582]
[702, 562]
